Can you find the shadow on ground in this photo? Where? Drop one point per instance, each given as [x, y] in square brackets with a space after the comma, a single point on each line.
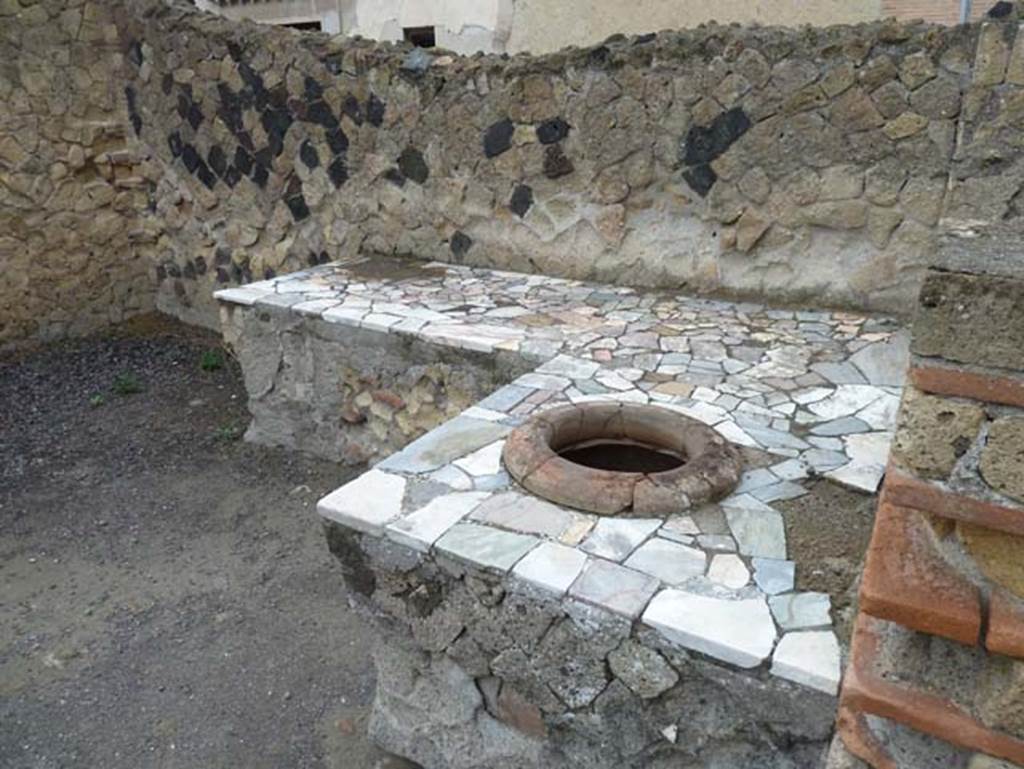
[166, 596]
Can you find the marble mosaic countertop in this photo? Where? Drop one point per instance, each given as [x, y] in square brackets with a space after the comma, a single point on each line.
[816, 391]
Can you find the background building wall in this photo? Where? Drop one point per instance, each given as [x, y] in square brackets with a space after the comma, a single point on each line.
[542, 26]
[327, 13]
[463, 26]
[937, 11]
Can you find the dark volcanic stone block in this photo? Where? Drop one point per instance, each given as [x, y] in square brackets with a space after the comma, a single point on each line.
[194, 116]
[553, 130]
[375, 109]
[337, 140]
[598, 56]
[556, 164]
[243, 160]
[230, 110]
[298, 108]
[312, 90]
[350, 106]
[413, 166]
[337, 171]
[701, 178]
[705, 143]
[205, 175]
[245, 140]
[190, 158]
[318, 112]
[135, 53]
[522, 200]
[297, 205]
[260, 175]
[498, 138]
[250, 77]
[265, 156]
[260, 98]
[1000, 10]
[461, 243]
[276, 123]
[278, 96]
[309, 155]
[217, 160]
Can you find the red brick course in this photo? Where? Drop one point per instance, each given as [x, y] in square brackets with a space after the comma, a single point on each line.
[853, 729]
[1005, 624]
[903, 576]
[865, 692]
[908, 578]
[967, 384]
[905, 491]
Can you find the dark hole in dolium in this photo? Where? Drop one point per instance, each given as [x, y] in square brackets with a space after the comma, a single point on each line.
[422, 37]
[623, 456]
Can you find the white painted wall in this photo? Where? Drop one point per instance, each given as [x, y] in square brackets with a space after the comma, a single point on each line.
[464, 26]
[541, 26]
[327, 12]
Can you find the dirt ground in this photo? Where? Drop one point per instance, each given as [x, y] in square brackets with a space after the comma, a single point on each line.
[827, 534]
[166, 596]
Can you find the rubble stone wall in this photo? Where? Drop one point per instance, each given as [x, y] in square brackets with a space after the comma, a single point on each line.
[351, 395]
[71, 256]
[937, 662]
[474, 673]
[811, 165]
[814, 165]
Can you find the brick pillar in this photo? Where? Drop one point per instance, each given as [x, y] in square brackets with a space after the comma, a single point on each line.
[936, 676]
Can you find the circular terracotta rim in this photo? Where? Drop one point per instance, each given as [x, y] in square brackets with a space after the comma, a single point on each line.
[711, 470]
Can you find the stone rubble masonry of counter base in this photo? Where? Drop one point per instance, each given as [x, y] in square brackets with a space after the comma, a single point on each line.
[936, 670]
[815, 163]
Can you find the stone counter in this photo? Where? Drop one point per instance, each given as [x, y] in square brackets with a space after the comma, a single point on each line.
[555, 637]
